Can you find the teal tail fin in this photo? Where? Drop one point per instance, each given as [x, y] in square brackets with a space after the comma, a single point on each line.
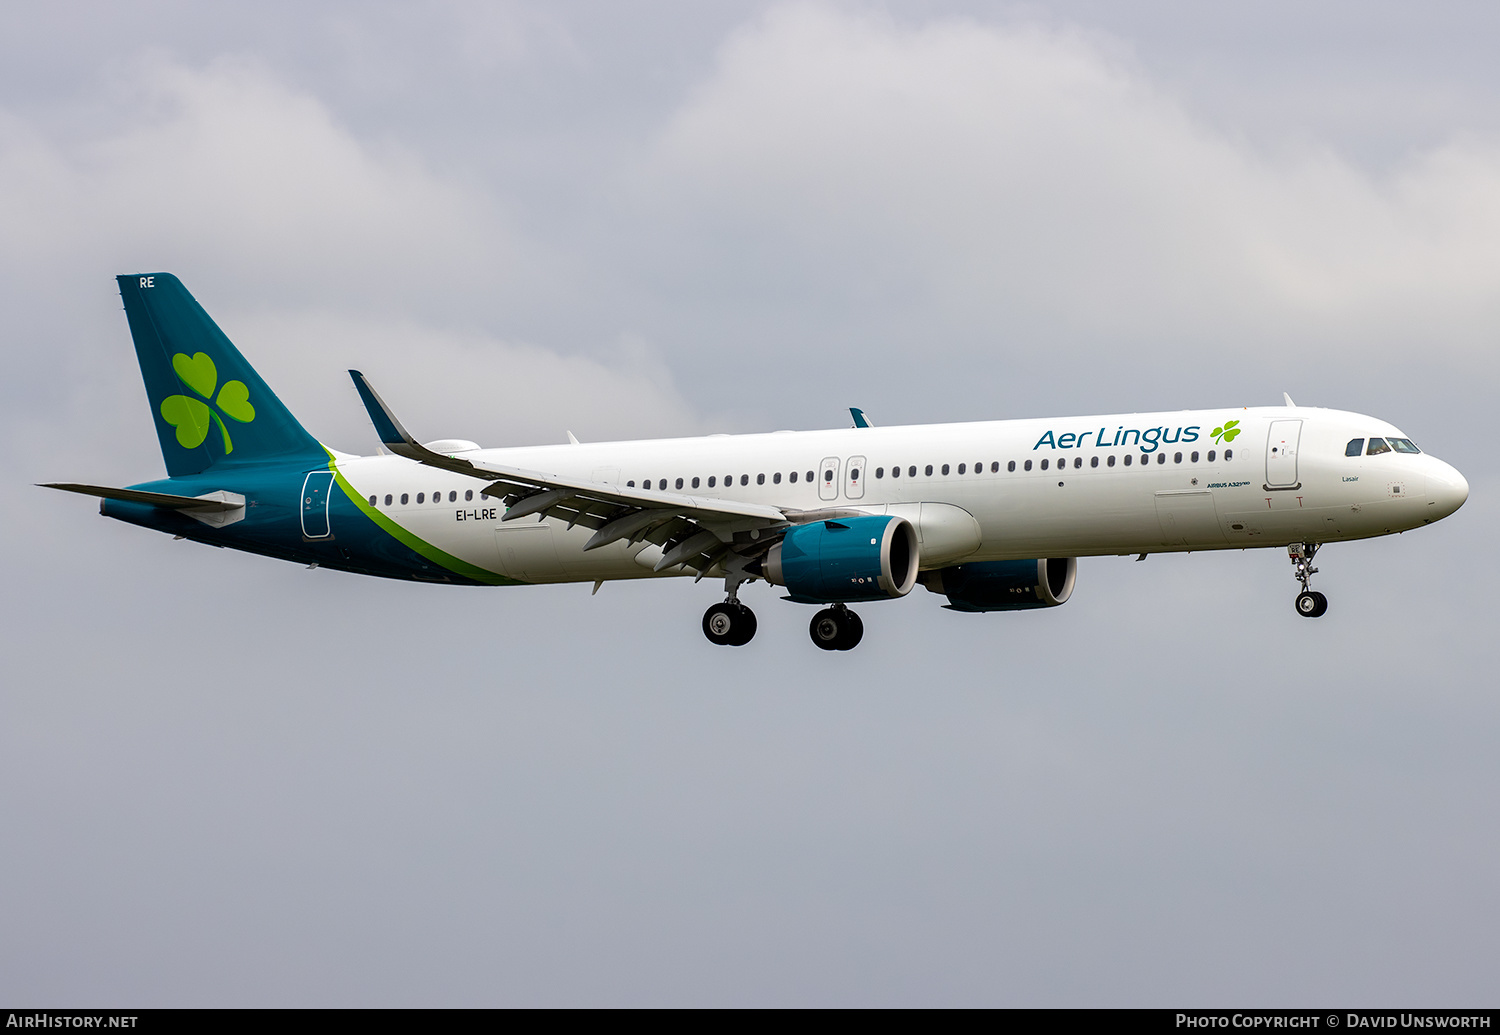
[208, 404]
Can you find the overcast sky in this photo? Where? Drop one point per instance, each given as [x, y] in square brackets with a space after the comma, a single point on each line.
[226, 780]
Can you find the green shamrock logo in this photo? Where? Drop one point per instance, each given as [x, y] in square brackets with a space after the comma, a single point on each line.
[193, 417]
[1228, 432]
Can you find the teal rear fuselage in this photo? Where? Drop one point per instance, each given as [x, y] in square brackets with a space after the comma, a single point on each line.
[274, 524]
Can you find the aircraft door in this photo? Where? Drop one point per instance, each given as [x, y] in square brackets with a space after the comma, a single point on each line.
[828, 478]
[854, 478]
[1281, 454]
[315, 491]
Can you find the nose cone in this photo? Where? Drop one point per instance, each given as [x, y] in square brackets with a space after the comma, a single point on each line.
[1446, 490]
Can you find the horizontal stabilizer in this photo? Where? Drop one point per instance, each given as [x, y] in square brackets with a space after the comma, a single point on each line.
[214, 504]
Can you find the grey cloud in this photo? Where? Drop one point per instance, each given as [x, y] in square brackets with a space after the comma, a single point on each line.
[1027, 182]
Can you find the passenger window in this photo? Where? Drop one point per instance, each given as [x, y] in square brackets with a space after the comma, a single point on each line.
[1127, 459]
[421, 496]
[453, 496]
[1111, 461]
[695, 481]
[1228, 454]
[911, 472]
[387, 499]
[995, 467]
[404, 498]
[895, 472]
[962, 468]
[879, 473]
[1011, 466]
[662, 485]
[929, 470]
[828, 476]
[745, 479]
[793, 476]
[1177, 458]
[1094, 461]
[1194, 457]
[1161, 458]
[1355, 447]
[372, 501]
[945, 468]
[1028, 465]
[1044, 465]
[776, 478]
[809, 476]
[854, 474]
[1377, 445]
[760, 479]
[1077, 462]
[468, 495]
[679, 483]
[712, 481]
[1211, 455]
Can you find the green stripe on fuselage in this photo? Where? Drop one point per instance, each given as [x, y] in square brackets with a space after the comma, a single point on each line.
[416, 543]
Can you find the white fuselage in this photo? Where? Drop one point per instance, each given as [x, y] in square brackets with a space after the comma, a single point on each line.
[997, 490]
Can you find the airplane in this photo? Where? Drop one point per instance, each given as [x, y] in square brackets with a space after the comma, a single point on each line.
[993, 515]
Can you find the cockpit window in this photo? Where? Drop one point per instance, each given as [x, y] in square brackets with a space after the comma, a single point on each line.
[1355, 447]
[1403, 445]
[1377, 445]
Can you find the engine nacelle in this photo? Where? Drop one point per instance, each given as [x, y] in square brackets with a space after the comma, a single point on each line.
[1005, 585]
[862, 558]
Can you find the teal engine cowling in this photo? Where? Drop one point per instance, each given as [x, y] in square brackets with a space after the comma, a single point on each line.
[842, 561]
[1005, 585]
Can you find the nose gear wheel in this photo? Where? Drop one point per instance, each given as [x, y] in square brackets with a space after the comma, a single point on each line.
[1309, 603]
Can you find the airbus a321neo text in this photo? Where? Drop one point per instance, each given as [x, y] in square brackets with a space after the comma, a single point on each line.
[991, 515]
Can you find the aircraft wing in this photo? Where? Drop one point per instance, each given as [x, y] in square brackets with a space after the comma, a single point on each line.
[696, 531]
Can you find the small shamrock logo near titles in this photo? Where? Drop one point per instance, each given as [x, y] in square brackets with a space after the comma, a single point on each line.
[193, 417]
[1228, 432]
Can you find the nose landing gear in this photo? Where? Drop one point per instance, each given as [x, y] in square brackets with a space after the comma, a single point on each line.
[1309, 603]
[836, 628]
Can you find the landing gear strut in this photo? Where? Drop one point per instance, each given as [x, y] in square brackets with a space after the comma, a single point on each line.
[730, 624]
[836, 628]
[1310, 604]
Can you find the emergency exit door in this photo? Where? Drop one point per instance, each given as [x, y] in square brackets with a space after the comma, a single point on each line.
[828, 478]
[854, 478]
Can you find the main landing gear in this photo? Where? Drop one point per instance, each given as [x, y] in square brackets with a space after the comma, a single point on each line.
[836, 628]
[1310, 604]
[730, 624]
